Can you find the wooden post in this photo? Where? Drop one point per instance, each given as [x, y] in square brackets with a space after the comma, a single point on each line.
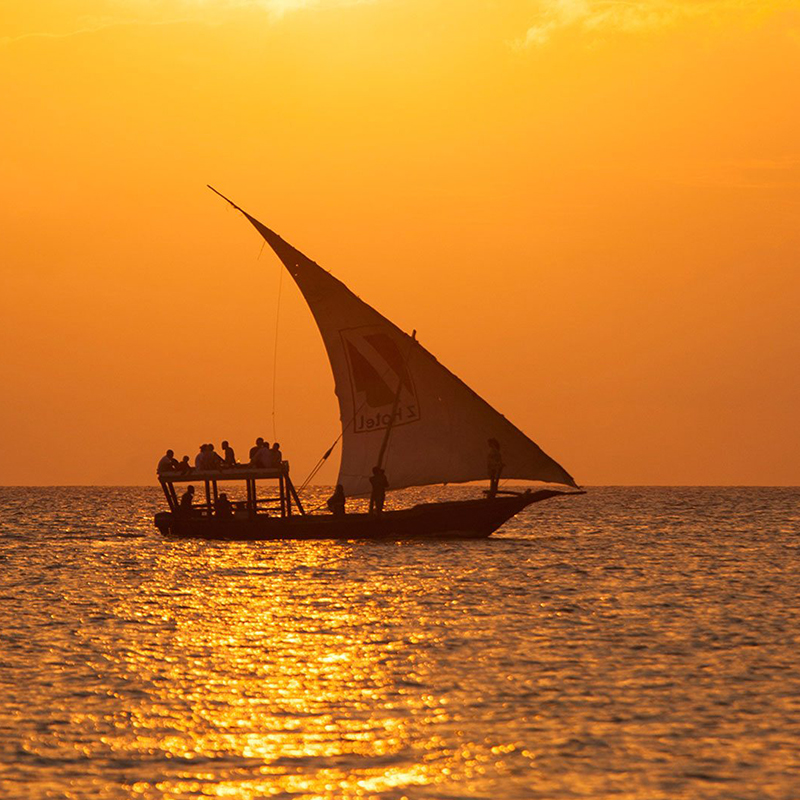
[208, 497]
[166, 487]
[282, 496]
[293, 493]
[251, 497]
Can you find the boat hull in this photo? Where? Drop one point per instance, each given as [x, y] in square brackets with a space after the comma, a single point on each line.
[467, 519]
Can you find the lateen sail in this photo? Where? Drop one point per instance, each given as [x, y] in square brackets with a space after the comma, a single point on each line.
[441, 426]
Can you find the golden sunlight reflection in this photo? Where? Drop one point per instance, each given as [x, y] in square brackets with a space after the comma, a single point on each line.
[606, 656]
[278, 679]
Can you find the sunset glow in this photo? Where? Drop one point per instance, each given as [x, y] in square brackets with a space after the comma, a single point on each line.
[588, 211]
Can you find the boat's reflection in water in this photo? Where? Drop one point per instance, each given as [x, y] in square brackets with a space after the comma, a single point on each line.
[286, 668]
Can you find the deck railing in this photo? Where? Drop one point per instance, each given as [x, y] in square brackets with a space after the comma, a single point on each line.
[286, 500]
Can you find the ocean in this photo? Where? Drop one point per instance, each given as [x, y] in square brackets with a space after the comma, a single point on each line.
[634, 643]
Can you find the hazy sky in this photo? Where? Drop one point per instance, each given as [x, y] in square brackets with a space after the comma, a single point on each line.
[590, 211]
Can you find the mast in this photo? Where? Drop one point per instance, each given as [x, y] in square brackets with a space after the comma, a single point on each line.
[385, 443]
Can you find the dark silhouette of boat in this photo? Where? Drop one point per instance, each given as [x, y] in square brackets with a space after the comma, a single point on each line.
[400, 410]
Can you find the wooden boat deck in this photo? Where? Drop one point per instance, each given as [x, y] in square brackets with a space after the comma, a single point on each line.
[463, 519]
[241, 472]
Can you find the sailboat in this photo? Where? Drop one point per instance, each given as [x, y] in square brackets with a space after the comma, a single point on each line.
[400, 410]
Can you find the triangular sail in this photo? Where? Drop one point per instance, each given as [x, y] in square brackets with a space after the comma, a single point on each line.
[441, 426]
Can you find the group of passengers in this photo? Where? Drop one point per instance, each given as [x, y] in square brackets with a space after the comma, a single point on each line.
[222, 507]
[262, 456]
[169, 463]
[208, 458]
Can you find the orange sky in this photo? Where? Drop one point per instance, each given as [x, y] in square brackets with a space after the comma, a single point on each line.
[590, 211]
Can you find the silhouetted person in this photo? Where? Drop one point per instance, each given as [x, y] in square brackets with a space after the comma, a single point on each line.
[336, 501]
[276, 457]
[264, 457]
[379, 486]
[255, 450]
[224, 507]
[213, 458]
[200, 458]
[186, 500]
[494, 465]
[184, 466]
[168, 462]
[230, 456]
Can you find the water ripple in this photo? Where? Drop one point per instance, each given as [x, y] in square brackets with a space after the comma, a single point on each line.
[634, 642]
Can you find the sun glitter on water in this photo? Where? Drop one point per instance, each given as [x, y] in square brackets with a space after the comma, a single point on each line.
[249, 687]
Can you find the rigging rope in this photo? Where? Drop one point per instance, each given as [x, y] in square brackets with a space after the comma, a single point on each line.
[324, 458]
[275, 351]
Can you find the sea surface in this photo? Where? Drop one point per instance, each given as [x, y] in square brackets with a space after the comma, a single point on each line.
[632, 643]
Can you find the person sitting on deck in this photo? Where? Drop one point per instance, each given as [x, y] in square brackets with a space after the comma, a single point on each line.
[494, 464]
[223, 507]
[264, 458]
[276, 457]
[184, 466]
[254, 451]
[168, 463]
[186, 500]
[379, 486]
[213, 458]
[230, 456]
[336, 501]
[200, 458]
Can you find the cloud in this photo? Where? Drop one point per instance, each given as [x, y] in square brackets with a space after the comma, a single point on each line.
[631, 16]
[86, 26]
[274, 7]
[173, 12]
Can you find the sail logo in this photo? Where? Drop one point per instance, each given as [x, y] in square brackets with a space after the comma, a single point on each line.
[380, 378]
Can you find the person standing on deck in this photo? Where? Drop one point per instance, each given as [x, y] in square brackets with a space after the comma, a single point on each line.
[186, 500]
[230, 456]
[379, 486]
[494, 464]
[168, 462]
